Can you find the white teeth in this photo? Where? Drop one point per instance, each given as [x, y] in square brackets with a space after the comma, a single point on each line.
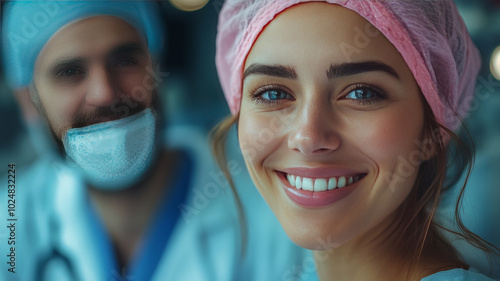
[298, 182]
[320, 185]
[341, 182]
[307, 184]
[332, 183]
[290, 179]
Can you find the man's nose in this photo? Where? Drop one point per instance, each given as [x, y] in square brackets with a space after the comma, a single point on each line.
[314, 131]
[101, 90]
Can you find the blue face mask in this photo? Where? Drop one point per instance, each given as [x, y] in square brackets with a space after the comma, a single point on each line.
[114, 155]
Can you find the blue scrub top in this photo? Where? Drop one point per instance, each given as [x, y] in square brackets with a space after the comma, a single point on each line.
[457, 274]
[156, 238]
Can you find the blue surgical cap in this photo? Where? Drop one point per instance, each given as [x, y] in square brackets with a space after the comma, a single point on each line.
[28, 25]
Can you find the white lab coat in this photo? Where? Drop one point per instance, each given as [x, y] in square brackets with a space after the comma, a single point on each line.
[205, 245]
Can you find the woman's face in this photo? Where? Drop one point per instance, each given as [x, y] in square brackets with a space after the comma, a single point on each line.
[330, 125]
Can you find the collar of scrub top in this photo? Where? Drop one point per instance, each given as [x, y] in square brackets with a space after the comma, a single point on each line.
[154, 242]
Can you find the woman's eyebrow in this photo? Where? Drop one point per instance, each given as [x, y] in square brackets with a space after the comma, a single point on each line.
[347, 69]
[270, 70]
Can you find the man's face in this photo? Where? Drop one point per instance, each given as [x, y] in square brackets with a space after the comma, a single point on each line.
[92, 71]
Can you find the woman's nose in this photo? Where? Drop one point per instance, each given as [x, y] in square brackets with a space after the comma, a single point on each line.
[101, 90]
[314, 131]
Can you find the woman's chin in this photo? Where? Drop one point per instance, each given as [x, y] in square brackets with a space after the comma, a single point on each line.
[314, 240]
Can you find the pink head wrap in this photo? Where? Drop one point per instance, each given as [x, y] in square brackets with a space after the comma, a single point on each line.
[429, 34]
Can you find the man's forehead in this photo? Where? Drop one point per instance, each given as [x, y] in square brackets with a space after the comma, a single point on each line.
[90, 38]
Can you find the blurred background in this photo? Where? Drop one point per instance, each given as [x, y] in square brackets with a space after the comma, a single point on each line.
[192, 95]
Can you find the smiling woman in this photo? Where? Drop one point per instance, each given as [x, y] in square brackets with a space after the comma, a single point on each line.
[344, 127]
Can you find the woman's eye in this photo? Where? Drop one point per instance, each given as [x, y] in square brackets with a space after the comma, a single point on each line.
[273, 95]
[365, 95]
[361, 94]
[270, 95]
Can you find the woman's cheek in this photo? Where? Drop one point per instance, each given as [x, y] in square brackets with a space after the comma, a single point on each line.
[259, 136]
[390, 140]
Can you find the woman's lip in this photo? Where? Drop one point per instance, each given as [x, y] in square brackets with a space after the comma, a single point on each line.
[321, 172]
[315, 199]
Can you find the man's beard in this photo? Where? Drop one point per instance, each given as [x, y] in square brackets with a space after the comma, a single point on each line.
[105, 114]
[101, 114]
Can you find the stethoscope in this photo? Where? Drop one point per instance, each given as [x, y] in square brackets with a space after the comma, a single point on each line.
[54, 257]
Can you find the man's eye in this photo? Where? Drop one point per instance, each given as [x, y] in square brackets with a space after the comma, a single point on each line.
[125, 63]
[69, 72]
